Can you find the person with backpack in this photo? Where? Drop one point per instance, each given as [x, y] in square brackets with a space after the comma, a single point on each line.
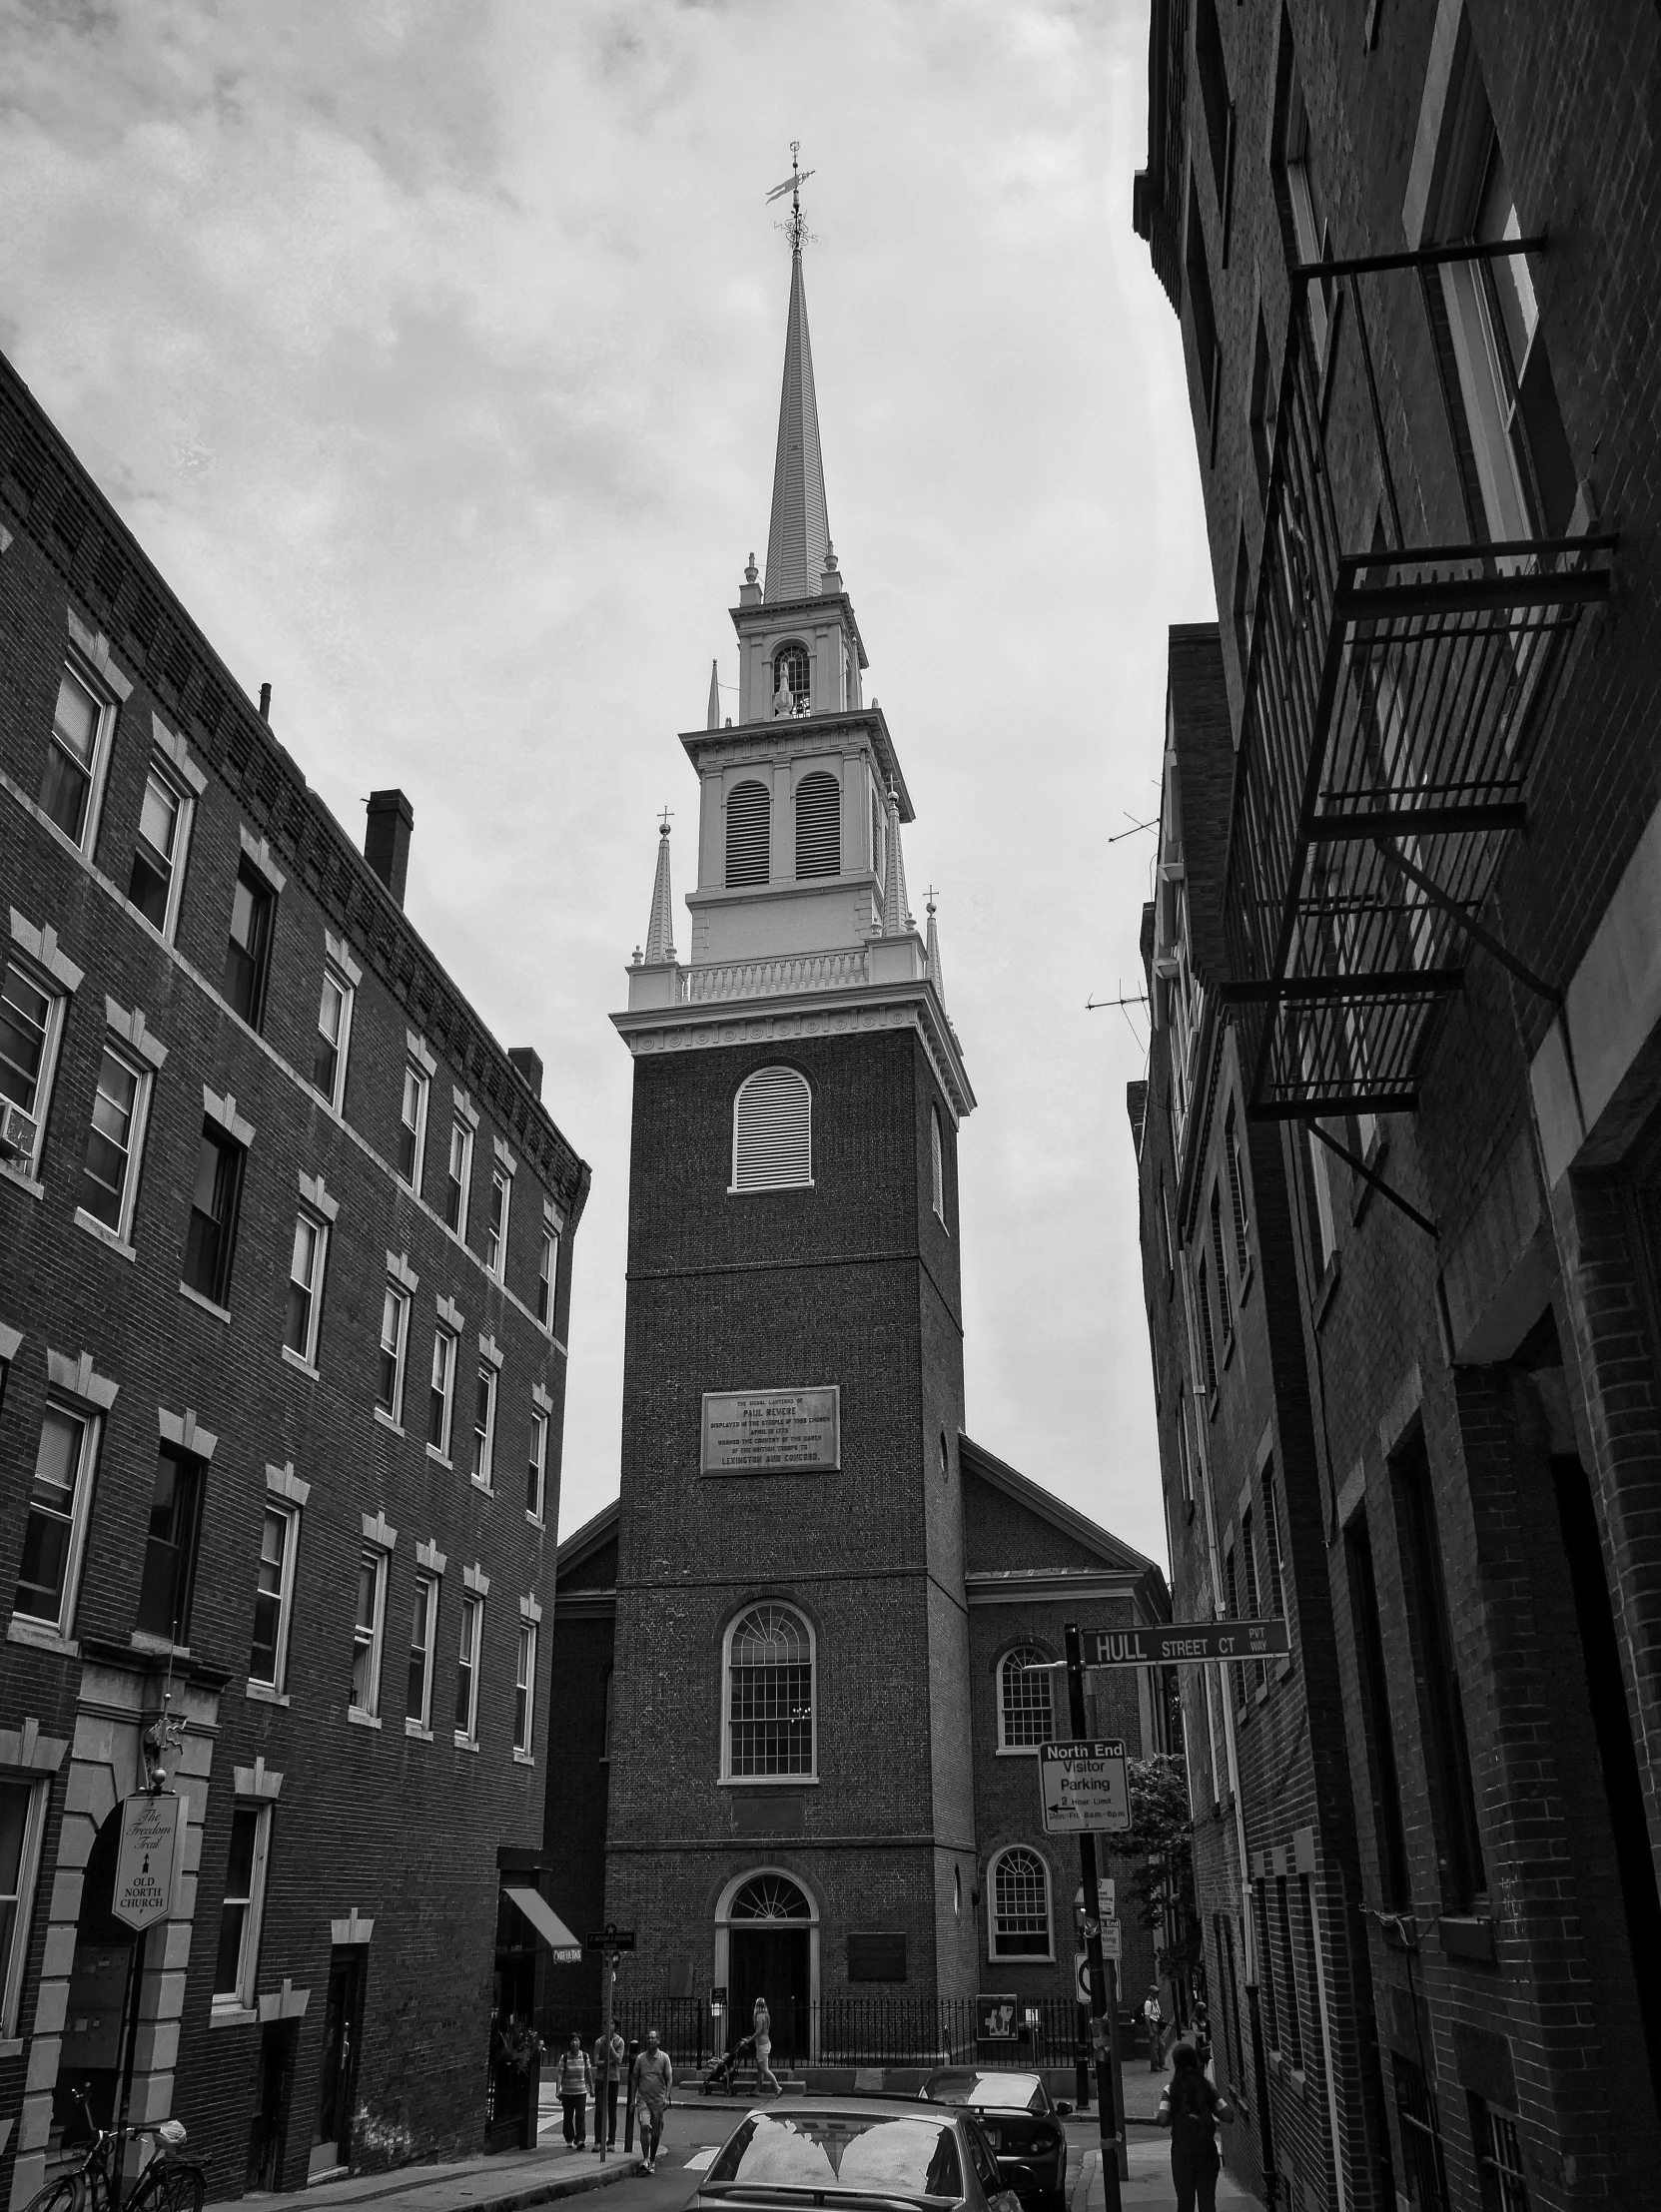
[1190, 2106]
[575, 2080]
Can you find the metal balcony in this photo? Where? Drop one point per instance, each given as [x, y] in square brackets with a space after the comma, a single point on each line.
[1395, 698]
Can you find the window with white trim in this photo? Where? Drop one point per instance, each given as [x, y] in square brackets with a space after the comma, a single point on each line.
[548, 1277]
[469, 1655]
[77, 755]
[772, 1132]
[158, 872]
[524, 1687]
[411, 1124]
[424, 1642]
[31, 1027]
[1026, 1712]
[303, 1315]
[1020, 1919]
[818, 826]
[458, 1178]
[367, 1630]
[495, 1229]
[170, 1552]
[115, 1141]
[22, 1817]
[334, 1037]
[238, 1961]
[792, 676]
[55, 1532]
[394, 1337]
[537, 1476]
[769, 1705]
[248, 946]
[268, 1656]
[937, 1166]
[485, 1425]
[749, 835]
[1304, 225]
[441, 1396]
[210, 1238]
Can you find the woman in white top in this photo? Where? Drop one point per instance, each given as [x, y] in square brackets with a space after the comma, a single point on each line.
[764, 2075]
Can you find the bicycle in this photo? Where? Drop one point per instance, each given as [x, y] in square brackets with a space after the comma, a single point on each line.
[168, 2183]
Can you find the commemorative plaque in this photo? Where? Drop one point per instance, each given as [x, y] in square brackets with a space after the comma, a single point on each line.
[771, 1432]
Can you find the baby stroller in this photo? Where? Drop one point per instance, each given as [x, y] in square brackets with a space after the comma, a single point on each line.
[723, 2074]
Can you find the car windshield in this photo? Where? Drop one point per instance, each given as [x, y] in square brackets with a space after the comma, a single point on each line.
[837, 2150]
[991, 2092]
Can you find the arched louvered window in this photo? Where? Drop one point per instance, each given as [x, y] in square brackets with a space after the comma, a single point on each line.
[749, 834]
[1020, 1904]
[1025, 1716]
[790, 670]
[769, 1693]
[772, 1132]
[937, 1163]
[818, 825]
[879, 839]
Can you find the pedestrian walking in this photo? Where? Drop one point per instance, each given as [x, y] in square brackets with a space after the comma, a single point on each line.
[576, 2086]
[1153, 2013]
[654, 2077]
[1190, 2107]
[764, 2075]
[1202, 2031]
[609, 2068]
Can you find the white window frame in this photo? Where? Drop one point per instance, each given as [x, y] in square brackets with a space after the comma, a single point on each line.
[306, 1355]
[482, 1472]
[495, 1236]
[937, 1164]
[767, 1780]
[472, 1616]
[540, 1461]
[98, 690]
[1007, 1749]
[442, 1449]
[548, 1273]
[335, 977]
[121, 1229]
[414, 1073]
[378, 1629]
[57, 1000]
[33, 1626]
[433, 1583]
[393, 1413]
[288, 1514]
[460, 1128]
[28, 1873]
[524, 1686]
[240, 2000]
[164, 772]
[994, 1951]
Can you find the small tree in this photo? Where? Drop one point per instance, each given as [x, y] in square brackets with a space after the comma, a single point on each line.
[1159, 1845]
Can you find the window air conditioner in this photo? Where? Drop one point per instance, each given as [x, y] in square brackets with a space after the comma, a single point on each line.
[18, 1131]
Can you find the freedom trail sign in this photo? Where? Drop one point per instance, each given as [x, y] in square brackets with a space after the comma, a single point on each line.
[1085, 1787]
[1165, 1647]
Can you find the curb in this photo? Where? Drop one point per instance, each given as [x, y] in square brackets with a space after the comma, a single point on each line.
[502, 2200]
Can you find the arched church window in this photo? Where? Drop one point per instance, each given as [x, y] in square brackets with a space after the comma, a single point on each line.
[772, 1132]
[769, 1693]
[818, 825]
[937, 1164]
[1025, 1715]
[1020, 1904]
[879, 839]
[769, 1898]
[790, 678]
[749, 834]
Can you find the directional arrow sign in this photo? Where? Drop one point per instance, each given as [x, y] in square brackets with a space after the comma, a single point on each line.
[1084, 1787]
[1166, 1647]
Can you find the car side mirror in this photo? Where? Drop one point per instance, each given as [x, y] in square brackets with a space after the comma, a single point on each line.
[1063, 2108]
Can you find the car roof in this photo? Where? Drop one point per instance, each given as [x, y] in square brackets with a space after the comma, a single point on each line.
[843, 2108]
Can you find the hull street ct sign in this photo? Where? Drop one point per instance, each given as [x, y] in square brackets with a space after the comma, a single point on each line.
[144, 1864]
[1086, 1792]
[1163, 1646]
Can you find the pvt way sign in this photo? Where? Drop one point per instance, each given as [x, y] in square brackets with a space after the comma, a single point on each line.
[1085, 1787]
[1162, 1647]
[144, 1864]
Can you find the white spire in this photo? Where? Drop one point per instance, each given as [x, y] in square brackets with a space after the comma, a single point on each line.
[714, 721]
[660, 936]
[896, 914]
[933, 949]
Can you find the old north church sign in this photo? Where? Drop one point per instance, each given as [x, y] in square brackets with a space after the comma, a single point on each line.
[771, 1432]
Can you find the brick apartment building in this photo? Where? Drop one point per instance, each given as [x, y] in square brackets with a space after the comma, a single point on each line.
[1411, 249]
[798, 1642]
[284, 1245]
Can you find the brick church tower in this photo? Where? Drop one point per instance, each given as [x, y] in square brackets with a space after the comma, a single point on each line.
[791, 1797]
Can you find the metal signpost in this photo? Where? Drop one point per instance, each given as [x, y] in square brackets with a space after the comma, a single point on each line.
[142, 1893]
[611, 1942]
[1087, 1794]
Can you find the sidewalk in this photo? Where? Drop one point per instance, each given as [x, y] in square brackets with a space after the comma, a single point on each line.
[500, 2183]
[1148, 2189]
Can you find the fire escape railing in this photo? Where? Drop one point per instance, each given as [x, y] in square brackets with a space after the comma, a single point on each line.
[1395, 697]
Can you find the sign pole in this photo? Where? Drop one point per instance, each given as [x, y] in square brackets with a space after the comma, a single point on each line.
[602, 2115]
[1101, 2029]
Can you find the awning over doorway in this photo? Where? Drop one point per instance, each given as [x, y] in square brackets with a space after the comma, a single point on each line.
[567, 1951]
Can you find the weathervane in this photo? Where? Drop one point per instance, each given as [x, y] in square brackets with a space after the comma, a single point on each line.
[794, 227]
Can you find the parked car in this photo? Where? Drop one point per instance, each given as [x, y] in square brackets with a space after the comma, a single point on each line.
[1022, 2123]
[855, 2153]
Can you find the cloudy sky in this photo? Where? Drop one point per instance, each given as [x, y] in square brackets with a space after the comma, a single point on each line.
[432, 353]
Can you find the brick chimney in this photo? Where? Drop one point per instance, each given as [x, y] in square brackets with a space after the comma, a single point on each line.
[386, 839]
[528, 1062]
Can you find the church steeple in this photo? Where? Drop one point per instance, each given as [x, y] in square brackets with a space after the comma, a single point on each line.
[798, 535]
[660, 930]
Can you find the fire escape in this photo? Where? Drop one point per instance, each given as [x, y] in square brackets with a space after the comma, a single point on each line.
[1395, 697]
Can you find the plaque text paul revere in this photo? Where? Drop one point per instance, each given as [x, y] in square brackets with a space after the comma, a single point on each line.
[771, 1432]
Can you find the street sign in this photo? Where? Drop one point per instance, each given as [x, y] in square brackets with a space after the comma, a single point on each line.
[144, 1862]
[995, 2018]
[1104, 1898]
[1085, 1787]
[1113, 1949]
[610, 1939]
[1166, 1647]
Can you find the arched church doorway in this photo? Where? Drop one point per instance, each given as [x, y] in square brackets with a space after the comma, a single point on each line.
[771, 1939]
[94, 2049]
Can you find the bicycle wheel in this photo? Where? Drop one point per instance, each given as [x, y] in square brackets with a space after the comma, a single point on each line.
[66, 2194]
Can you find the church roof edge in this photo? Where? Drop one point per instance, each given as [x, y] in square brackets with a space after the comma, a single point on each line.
[1114, 1552]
